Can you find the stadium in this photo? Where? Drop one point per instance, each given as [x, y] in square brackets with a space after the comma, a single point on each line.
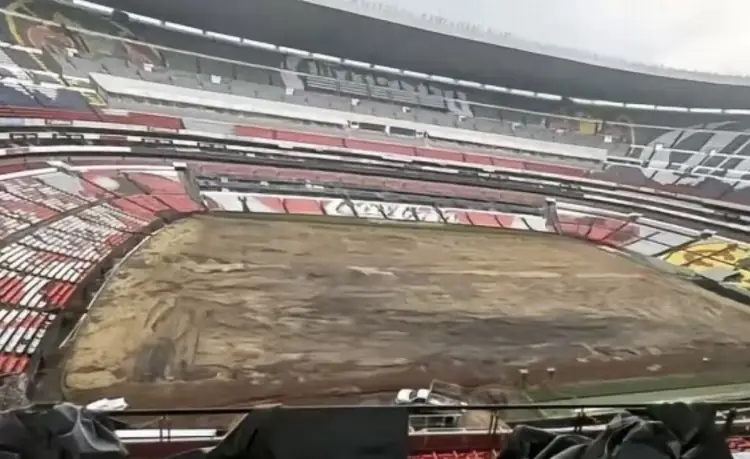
[413, 253]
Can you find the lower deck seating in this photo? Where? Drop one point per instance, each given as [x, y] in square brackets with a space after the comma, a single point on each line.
[21, 258]
[41, 189]
[57, 228]
[643, 236]
[602, 230]
[21, 331]
[178, 202]
[140, 205]
[156, 183]
[20, 208]
[10, 225]
[28, 291]
[66, 242]
[107, 215]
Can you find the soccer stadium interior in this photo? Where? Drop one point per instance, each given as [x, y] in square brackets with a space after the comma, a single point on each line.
[213, 244]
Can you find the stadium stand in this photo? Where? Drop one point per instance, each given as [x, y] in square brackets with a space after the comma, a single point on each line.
[71, 204]
[107, 207]
[366, 90]
[714, 187]
[708, 142]
[59, 228]
[62, 224]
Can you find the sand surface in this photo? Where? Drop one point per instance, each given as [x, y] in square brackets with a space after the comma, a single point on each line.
[268, 305]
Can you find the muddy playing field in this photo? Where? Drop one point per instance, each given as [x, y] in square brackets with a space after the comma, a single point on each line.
[225, 310]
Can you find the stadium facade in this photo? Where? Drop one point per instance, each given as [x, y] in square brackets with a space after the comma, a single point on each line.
[437, 49]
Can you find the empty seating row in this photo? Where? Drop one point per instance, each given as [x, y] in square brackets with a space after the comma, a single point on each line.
[371, 182]
[70, 248]
[29, 291]
[63, 237]
[90, 232]
[31, 199]
[179, 202]
[309, 75]
[139, 193]
[719, 184]
[94, 114]
[339, 73]
[156, 183]
[85, 230]
[10, 225]
[29, 95]
[106, 215]
[19, 208]
[80, 219]
[43, 189]
[43, 269]
[475, 156]
[20, 258]
[631, 174]
[716, 186]
[21, 332]
[142, 206]
[697, 189]
[390, 87]
[606, 230]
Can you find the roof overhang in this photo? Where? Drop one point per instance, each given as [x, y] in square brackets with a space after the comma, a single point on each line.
[336, 32]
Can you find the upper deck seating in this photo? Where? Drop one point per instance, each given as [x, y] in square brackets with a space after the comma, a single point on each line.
[22, 58]
[29, 95]
[334, 85]
[15, 95]
[377, 93]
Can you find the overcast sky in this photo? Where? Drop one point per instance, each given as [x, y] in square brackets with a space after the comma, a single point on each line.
[707, 35]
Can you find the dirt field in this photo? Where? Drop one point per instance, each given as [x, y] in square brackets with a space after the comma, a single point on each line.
[214, 311]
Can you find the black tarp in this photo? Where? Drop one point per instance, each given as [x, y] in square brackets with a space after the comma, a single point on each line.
[65, 431]
[668, 431]
[313, 433]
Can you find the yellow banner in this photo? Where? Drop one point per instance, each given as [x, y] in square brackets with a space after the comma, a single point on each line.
[711, 254]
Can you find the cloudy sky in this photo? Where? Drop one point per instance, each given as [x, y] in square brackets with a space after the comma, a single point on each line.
[707, 35]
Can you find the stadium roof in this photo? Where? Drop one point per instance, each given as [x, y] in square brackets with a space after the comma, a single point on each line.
[308, 26]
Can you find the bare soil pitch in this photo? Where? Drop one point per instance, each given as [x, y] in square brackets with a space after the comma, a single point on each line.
[215, 311]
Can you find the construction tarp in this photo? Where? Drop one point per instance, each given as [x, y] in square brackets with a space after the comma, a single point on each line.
[668, 431]
[64, 431]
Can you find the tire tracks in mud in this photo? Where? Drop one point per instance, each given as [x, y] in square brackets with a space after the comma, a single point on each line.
[253, 308]
[171, 348]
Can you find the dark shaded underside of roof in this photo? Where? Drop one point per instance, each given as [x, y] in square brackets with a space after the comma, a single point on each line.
[315, 28]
